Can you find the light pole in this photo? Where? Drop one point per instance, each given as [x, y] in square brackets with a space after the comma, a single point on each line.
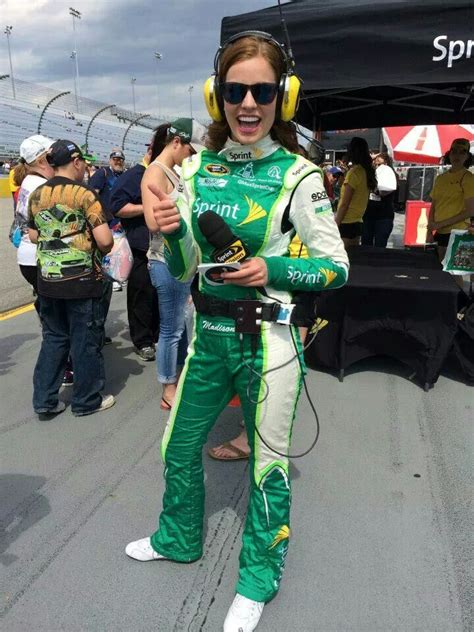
[190, 90]
[158, 56]
[73, 57]
[132, 81]
[76, 15]
[8, 32]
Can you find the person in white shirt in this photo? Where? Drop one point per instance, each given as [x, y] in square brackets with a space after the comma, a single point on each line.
[32, 171]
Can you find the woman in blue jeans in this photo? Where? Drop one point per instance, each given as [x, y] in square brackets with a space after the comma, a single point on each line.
[178, 140]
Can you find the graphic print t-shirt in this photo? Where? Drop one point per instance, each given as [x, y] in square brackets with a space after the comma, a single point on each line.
[69, 263]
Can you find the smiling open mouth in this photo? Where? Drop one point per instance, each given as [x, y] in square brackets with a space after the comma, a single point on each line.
[248, 123]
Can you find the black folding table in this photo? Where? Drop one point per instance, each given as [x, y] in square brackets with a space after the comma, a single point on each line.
[397, 303]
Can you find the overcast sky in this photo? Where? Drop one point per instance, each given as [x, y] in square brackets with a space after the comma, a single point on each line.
[116, 40]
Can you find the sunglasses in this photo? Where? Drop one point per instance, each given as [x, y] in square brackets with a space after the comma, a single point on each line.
[262, 93]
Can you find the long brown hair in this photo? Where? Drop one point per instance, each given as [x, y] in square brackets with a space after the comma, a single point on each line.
[159, 140]
[358, 154]
[20, 172]
[240, 50]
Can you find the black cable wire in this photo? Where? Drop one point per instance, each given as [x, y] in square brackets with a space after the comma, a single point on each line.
[253, 372]
[261, 377]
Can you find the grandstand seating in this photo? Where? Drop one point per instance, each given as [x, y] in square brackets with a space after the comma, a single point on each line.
[19, 118]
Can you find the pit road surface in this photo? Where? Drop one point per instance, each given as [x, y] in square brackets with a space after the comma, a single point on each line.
[381, 515]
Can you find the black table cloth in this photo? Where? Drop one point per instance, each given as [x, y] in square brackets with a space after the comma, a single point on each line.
[397, 303]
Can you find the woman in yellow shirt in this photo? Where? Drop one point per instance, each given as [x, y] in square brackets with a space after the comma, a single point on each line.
[452, 195]
[14, 188]
[358, 183]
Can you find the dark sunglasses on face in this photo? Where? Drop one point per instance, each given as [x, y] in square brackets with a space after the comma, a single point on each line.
[234, 93]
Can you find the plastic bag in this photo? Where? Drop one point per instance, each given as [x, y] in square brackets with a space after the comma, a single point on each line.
[15, 234]
[117, 264]
[459, 257]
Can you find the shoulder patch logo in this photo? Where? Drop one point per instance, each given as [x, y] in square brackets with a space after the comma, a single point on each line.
[274, 172]
[255, 211]
[216, 169]
[300, 169]
[318, 195]
[212, 183]
[247, 172]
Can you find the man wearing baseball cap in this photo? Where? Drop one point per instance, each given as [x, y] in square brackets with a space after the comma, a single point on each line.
[67, 222]
[331, 184]
[335, 171]
[105, 179]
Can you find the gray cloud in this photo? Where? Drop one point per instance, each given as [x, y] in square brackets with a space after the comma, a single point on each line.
[116, 40]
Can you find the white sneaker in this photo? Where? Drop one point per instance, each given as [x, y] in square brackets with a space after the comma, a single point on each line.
[244, 615]
[142, 551]
[107, 402]
[116, 286]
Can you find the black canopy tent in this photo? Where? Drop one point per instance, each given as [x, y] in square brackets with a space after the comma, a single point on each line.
[376, 63]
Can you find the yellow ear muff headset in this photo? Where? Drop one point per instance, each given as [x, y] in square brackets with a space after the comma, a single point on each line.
[288, 88]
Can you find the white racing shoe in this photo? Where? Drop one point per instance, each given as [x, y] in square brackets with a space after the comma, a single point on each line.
[142, 551]
[244, 615]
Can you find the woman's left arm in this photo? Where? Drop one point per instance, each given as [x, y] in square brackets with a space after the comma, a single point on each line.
[313, 219]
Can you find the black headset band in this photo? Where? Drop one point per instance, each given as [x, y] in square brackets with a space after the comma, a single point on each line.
[267, 37]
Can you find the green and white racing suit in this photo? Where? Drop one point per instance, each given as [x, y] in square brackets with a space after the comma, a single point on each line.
[249, 187]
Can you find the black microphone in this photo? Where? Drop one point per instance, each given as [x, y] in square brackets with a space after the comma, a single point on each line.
[228, 247]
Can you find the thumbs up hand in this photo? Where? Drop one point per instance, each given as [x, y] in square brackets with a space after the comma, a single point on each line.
[165, 211]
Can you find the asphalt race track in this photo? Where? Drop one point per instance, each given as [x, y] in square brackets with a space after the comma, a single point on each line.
[381, 522]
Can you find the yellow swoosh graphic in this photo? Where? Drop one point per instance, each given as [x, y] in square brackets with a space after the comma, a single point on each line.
[318, 325]
[329, 274]
[255, 211]
[283, 534]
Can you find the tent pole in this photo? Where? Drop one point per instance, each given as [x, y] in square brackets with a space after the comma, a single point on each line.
[423, 183]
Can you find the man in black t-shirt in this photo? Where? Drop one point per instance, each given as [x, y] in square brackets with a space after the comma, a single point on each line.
[67, 222]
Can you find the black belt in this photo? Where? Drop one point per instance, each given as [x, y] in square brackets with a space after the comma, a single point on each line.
[246, 311]
[211, 306]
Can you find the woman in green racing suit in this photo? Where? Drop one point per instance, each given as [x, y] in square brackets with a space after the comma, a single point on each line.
[265, 193]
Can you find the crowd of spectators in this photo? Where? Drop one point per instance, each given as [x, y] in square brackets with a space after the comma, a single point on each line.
[361, 186]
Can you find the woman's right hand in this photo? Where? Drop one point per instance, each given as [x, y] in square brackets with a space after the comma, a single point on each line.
[165, 212]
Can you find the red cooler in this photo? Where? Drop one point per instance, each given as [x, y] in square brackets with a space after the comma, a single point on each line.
[416, 222]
